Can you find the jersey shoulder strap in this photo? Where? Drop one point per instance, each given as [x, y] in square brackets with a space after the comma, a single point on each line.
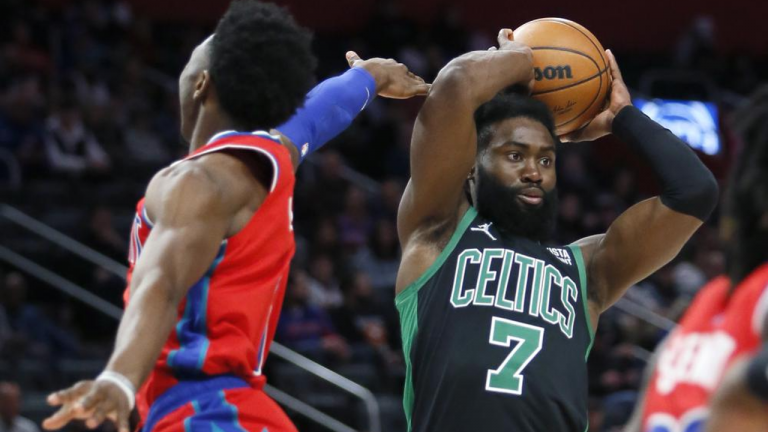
[261, 142]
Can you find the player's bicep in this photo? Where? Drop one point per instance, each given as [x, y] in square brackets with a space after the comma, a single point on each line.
[192, 217]
[640, 241]
[443, 150]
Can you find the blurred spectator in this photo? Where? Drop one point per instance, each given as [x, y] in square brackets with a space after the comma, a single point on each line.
[22, 54]
[381, 259]
[570, 217]
[102, 235]
[70, 145]
[323, 287]
[389, 199]
[355, 222]
[21, 130]
[325, 195]
[10, 410]
[32, 334]
[697, 45]
[362, 321]
[625, 189]
[326, 239]
[573, 174]
[307, 328]
[143, 144]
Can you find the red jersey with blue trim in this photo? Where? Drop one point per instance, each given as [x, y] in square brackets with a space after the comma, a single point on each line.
[717, 329]
[228, 318]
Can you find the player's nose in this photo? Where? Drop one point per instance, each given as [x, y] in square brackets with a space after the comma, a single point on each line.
[531, 173]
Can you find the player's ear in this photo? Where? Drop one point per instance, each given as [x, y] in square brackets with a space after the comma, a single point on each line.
[202, 86]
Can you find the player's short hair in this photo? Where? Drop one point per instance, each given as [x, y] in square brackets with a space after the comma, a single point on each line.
[746, 200]
[261, 64]
[510, 103]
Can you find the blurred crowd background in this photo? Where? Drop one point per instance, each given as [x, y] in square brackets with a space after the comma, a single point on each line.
[89, 111]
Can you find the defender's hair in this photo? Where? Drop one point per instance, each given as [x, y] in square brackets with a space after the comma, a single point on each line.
[261, 64]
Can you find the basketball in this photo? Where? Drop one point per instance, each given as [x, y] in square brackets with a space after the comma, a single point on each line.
[571, 71]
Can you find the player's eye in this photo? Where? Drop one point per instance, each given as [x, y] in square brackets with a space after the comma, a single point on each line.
[546, 162]
[516, 156]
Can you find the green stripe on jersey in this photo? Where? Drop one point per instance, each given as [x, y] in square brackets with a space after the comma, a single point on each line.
[584, 298]
[407, 303]
[414, 287]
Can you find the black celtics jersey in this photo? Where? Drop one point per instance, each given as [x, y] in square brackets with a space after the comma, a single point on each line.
[496, 334]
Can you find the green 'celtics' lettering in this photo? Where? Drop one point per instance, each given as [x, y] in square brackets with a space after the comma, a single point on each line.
[494, 281]
[525, 263]
[486, 275]
[459, 299]
[569, 291]
[535, 305]
[501, 294]
[550, 275]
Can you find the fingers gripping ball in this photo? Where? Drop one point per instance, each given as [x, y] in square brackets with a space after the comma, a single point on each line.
[572, 75]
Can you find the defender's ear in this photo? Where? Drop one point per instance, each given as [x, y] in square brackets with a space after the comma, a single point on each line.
[202, 85]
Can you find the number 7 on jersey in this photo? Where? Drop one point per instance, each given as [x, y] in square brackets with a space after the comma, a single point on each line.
[508, 377]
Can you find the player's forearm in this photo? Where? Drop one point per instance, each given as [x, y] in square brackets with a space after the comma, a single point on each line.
[329, 109]
[476, 77]
[688, 186]
[144, 328]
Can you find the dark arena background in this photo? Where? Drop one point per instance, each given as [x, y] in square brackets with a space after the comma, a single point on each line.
[105, 72]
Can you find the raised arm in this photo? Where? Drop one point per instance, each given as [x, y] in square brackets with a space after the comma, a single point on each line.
[332, 105]
[444, 139]
[193, 214]
[651, 233]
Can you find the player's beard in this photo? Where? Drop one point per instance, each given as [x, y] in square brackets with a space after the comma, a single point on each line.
[500, 204]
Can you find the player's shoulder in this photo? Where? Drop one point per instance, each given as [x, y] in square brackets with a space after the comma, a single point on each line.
[214, 181]
[587, 246]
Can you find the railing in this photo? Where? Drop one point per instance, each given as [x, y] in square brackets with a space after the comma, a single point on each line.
[639, 311]
[13, 168]
[21, 219]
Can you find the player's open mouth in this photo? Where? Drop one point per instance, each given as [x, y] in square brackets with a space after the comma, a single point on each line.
[531, 196]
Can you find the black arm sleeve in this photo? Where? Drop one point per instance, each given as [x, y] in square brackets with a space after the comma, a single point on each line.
[689, 187]
[757, 375]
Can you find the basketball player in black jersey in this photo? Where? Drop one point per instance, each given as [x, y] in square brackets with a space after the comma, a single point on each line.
[497, 327]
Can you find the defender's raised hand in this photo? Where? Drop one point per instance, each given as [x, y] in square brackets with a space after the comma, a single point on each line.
[602, 124]
[393, 79]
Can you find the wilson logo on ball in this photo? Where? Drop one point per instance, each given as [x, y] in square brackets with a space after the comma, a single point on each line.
[553, 73]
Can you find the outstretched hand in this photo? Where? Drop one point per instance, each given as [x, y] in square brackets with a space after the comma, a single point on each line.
[92, 401]
[602, 124]
[393, 79]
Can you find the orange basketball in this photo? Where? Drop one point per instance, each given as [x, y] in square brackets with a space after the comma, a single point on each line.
[571, 70]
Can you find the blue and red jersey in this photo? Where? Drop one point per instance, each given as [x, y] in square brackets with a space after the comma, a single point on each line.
[227, 320]
[719, 327]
